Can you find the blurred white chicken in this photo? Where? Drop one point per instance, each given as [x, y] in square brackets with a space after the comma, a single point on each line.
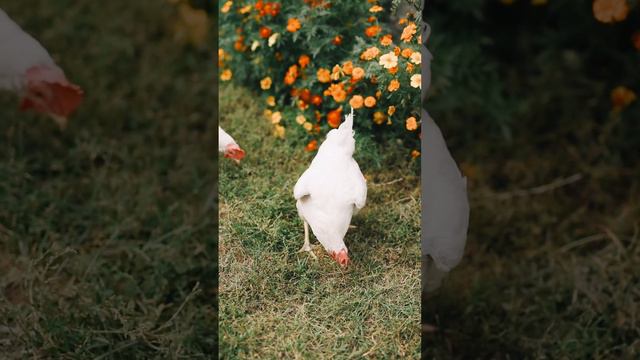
[228, 146]
[445, 207]
[27, 69]
[331, 191]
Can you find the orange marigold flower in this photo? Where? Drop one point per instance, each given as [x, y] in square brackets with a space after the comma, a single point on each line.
[265, 84]
[393, 70]
[302, 105]
[305, 95]
[411, 123]
[372, 31]
[622, 96]
[386, 40]
[406, 52]
[316, 100]
[226, 7]
[324, 76]
[371, 19]
[415, 154]
[265, 32]
[304, 60]
[278, 131]
[370, 101]
[370, 53]
[333, 117]
[271, 101]
[357, 73]
[393, 85]
[291, 75]
[312, 145]
[293, 25]
[403, 21]
[409, 67]
[408, 32]
[307, 126]
[337, 92]
[378, 94]
[379, 117]
[226, 75]
[396, 50]
[356, 102]
[347, 68]
[376, 8]
[610, 11]
[276, 117]
[391, 109]
[337, 40]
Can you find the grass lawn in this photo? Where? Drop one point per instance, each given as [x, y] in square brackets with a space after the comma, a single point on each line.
[277, 303]
[107, 231]
[548, 274]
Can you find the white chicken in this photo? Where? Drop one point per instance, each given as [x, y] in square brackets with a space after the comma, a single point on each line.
[27, 69]
[331, 191]
[445, 207]
[228, 146]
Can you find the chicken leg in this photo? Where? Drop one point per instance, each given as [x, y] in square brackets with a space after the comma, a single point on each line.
[307, 245]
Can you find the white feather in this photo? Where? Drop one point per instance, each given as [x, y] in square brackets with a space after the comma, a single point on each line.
[333, 188]
[224, 140]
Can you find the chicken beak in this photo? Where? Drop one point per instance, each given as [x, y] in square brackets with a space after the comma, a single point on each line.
[61, 121]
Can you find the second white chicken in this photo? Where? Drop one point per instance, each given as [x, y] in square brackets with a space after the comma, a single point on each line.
[331, 191]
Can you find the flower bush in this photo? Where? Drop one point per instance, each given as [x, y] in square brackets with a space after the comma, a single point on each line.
[310, 60]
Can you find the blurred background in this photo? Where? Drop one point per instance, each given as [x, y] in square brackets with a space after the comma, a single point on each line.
[537, 102]
[107, 230]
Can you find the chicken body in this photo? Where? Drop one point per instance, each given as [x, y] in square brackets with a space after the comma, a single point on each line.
[331, 191]
[228, 146]
[445, 206]
[27, 69]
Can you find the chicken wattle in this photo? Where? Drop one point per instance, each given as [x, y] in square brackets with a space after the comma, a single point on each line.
[27, 69]
[228, 146]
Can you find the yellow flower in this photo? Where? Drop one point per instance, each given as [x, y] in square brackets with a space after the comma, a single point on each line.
[226, 75]
[265, 84]
[416, 81]
[391, 110]
[376, 8]
[357, 73]
[416, 58]
[407, 32]
[379, 117]
[394, 85]
[356, 101]
[324, 76]
[411, 124]
[267, 113]
[415, 153]
[226, 7]
[276, 117]
[609, 11]
[622, 96]
[335, 72]
[389, 60]
[307, 126]
[300, 119]
[271, 101]
[370, 102]
[278, 131]
[245, 9]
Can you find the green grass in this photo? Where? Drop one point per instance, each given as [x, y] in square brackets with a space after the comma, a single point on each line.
[107, 231]
[277, 303]
[552, 275]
